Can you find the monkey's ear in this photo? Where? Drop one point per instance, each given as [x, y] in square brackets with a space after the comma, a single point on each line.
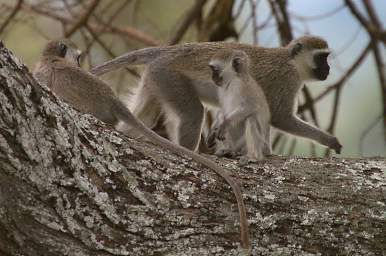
[236, 64]
[294, 50]
[62, 50]
[79, 59]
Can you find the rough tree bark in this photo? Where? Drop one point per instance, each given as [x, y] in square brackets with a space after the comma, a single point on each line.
[70, 185]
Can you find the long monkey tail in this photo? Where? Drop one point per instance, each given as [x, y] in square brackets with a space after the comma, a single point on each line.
[125, 115]
[137, 57]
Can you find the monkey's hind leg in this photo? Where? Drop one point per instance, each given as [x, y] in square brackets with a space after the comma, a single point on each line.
[184, 122]
[255, 142]
[180, 103]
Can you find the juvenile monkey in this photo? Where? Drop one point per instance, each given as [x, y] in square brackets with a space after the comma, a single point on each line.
[59, 69]
[178, 79]
[246, 118]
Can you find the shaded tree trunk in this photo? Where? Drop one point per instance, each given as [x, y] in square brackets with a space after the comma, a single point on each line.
[70, 185]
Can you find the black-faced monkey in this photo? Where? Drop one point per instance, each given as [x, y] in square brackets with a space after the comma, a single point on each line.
[179, 80]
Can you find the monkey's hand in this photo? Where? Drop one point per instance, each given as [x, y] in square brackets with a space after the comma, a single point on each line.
[335, 145]
[211, 139]
[220, 132]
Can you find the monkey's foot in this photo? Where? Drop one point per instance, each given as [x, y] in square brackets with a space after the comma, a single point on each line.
[335, 145]
[244, 160]
[224, 152]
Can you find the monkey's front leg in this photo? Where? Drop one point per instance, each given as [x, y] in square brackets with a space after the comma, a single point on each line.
[292, 124]
[233, 118]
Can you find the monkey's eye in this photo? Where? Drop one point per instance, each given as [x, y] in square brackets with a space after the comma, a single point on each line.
[296, 49]
[62, 50]
[236, 64]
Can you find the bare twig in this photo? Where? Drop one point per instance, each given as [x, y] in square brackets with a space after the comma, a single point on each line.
[366, 132]
[83, 19]
[11, 15]
[190, 16]
[370, 27]
[253, 5]
[320, 16]
[381, 76]
[239, 9]
[292, 147]
[380, 65]
[127, 31]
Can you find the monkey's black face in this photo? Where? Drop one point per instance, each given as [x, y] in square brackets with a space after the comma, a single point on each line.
[322, 69]
[216, 76]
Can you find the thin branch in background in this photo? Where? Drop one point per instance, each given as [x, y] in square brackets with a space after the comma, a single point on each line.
[334, 116]
[381, 76]
[281, 144]
[308, 98]
[110, 19]
[83, 19]
[279, 11]
[276, 140]
[292, 147]
[245, 24]
[349, 42]
[127, 31]
[11, 15]
[319, 16]
[265, 22]
[261, 26]
[134, 11]
[371, 28]
[190, 17]
[239, 9]
[380, 65]
[366, 132]
[312, 149]
[253, 6]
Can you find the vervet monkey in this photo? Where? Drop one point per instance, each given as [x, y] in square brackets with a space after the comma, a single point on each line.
[91, 95]
[246, 118]
[177, 80]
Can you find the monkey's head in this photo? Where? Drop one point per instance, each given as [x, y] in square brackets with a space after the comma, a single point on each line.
[63, 48]
[310, 55]
[228, 64]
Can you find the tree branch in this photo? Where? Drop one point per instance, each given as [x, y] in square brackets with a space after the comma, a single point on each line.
[11, 16]
[83, 19]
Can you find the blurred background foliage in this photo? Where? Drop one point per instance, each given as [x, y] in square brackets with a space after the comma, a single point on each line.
[350, 104]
